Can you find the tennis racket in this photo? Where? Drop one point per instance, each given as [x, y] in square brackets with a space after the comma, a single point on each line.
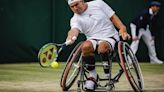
[49, 52]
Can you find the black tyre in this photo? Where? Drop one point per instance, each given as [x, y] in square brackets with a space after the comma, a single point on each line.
[72, 68]
[131, 67]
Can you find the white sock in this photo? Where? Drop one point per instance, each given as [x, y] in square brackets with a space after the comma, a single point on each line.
[93, 73]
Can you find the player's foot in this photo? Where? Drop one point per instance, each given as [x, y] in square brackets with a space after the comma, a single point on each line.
[156, 62]
[91, 83]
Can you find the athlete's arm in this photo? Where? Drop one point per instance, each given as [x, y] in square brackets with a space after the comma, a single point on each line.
[72, 32]
[122, 29]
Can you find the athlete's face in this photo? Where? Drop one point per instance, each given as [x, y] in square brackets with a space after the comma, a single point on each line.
[78, 7]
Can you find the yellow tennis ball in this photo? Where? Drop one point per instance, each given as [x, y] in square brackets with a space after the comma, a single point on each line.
[54, 64]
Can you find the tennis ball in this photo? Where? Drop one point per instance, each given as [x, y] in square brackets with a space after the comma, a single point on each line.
[54, 64]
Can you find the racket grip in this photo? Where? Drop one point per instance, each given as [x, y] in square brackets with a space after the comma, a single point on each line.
[71, 41]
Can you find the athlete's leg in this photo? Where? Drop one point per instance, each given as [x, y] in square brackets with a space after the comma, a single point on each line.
[89, 59]
[105, 51]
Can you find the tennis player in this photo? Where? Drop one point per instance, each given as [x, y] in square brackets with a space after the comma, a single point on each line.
[97, 21]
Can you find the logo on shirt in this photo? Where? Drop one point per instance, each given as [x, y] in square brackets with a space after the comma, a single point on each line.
[90, 15]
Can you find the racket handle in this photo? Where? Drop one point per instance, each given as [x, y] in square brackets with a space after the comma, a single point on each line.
[71, 41]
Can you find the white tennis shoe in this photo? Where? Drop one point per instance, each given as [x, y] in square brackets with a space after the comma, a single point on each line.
[89, 85]
[91, 82]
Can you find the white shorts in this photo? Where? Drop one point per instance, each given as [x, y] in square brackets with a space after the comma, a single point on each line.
[111, 40]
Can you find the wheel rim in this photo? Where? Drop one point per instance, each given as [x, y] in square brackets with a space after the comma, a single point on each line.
[124, 52]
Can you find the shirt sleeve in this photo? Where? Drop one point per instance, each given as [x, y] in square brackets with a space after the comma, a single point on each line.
[74, 23]
[106, 8]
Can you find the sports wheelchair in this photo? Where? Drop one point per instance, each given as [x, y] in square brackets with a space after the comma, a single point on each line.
[125, 58]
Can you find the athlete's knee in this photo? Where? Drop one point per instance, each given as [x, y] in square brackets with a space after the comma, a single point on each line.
[104, 47]
[87, 48]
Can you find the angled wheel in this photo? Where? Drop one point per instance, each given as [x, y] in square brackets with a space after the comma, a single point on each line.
[131, 67]
[72, 68]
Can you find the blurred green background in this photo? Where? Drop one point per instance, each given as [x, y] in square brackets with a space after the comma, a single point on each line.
[26, 25]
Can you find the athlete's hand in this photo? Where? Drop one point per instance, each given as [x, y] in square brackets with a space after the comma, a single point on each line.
[71, 40]
[125, 36]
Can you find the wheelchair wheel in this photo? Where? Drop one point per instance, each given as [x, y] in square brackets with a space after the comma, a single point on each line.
[131, 67]
[72, 68]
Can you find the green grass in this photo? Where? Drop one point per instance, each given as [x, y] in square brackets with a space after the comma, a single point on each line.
[152, 68]
[25, 72]
[30, 77]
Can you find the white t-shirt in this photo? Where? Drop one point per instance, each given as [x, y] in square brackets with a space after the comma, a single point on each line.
[95, 22]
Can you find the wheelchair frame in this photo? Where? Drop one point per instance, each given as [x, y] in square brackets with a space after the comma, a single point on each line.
[125, 58]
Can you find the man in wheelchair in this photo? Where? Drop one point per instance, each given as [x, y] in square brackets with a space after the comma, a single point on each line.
[97, 21]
